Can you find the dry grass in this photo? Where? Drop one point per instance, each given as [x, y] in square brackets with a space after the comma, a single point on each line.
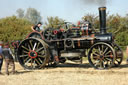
[67, 75]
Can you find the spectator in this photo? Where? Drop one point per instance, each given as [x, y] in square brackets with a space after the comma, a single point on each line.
[1, 57]
[8, 58]
[127, 54]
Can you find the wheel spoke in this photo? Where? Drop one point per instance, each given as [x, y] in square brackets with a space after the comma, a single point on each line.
[105, 50]
[38, 50]
[34, 46]
[37, 61]
[109, 56]
[31, 62]
[96, 63]
[40, 60]
[38, 45]
[95, 53]
[108, 52]
[25, 48]
[25, 52]
[30, 42]
[34, 64]
[29, 47]
[99, 50]
[42, 53]
[42, 56]
[28, 61]
[108, 59]
[95, 57]
[23, 55]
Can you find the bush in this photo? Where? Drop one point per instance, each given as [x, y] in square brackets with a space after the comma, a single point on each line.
[13, 28]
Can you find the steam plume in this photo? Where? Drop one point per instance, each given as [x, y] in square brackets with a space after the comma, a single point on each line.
[96, 2]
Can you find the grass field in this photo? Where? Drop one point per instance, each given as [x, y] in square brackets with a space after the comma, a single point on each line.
[67, 74]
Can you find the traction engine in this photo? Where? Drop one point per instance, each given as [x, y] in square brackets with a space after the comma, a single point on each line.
[54, 46]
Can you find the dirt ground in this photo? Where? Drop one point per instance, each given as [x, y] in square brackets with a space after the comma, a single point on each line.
[67, 74]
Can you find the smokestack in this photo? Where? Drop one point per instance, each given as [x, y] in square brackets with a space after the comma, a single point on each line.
[102, 16]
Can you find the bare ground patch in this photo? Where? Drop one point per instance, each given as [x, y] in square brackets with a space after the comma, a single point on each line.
[67, 74]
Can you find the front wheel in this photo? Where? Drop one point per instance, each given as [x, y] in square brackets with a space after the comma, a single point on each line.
[101, 56]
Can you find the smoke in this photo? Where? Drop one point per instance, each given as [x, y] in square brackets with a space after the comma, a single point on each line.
[71, 10]
[95, 2]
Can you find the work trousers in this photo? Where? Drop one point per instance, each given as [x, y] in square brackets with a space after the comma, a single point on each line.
[9, 62]
[1, 63]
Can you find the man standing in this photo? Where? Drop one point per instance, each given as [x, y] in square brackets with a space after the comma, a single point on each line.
[36, 27]
[8, 58]
[1, 57]
[127, 54]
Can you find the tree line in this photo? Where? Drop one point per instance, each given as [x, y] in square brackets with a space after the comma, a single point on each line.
[17, 27]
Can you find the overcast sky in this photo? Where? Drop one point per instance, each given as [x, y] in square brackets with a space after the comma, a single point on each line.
[69, 10]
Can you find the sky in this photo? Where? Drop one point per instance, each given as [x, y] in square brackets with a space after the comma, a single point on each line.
[69, 10]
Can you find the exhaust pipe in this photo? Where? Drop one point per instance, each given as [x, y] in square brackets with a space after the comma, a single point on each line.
[102, 17]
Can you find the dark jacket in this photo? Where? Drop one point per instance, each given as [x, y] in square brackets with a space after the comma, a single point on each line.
[36, 28]
[7, 53]
[1, 49]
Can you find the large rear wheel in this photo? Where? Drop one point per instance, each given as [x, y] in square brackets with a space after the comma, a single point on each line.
[33, 53]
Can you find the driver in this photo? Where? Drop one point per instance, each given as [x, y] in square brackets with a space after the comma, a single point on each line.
[36, 27]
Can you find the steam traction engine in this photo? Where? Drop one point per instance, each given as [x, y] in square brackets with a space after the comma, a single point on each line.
[54, 46]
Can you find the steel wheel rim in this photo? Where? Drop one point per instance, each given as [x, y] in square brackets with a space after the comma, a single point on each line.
[35, 35]
[101, 56]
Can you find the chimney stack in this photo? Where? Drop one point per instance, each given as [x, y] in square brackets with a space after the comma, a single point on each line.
[102, 17]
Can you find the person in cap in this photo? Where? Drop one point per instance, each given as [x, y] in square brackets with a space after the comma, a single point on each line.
[36, 27]
[8, 58]
[1, 57]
